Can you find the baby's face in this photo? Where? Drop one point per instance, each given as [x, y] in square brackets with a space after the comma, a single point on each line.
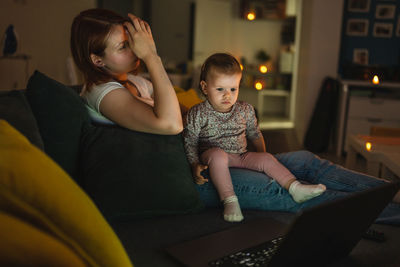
[222, 90]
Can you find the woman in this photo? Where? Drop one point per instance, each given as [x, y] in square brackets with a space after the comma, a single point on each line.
[107, 48]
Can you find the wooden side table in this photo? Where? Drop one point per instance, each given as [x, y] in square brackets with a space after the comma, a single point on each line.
[390, 166]
[378, 114]
[375, 155]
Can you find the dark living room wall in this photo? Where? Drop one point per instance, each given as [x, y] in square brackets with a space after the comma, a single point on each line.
[371, 29]
[43, 31]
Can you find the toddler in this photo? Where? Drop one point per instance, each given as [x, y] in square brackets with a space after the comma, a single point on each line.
[216, 135]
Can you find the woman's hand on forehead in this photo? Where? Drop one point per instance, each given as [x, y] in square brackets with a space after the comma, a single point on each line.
[140, 37]
[138, 24]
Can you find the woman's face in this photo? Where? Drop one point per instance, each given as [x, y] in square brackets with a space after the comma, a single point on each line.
[119, 58]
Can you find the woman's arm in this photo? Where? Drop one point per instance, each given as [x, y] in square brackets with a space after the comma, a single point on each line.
[166, 105]
[123, 108]
[126, 110]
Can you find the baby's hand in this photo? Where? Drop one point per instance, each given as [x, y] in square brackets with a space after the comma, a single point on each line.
[196, 170]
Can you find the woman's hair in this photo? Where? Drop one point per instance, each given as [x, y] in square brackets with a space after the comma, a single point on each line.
[89, 33]
[221, 62]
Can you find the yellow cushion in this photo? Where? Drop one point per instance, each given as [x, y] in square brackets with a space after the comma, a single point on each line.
[37, 191]
[188, 98]
[178, 89]
[21, 244]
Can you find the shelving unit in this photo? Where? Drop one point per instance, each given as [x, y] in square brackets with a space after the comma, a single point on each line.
[273, 101]
[277, 116]
[278, 38]
[273, 93]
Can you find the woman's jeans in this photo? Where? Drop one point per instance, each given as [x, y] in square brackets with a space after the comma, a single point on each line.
[256, 190]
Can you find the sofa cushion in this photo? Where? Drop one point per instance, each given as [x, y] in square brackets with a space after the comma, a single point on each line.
[188, 98]
[134, 175]
[61, 116]
[22, 244]
[34, 189]
[15, 109]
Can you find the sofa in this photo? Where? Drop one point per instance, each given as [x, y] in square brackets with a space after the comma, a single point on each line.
[74, 193]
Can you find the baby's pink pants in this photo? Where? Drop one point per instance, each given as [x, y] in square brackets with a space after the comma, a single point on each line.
[219, 161]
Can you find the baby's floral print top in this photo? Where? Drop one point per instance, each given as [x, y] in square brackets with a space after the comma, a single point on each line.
[206, 128]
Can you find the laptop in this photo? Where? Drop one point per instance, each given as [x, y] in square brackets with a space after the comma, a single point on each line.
[316, 236]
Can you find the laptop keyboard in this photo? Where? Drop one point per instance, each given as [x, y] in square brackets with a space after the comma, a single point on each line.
[256, 256]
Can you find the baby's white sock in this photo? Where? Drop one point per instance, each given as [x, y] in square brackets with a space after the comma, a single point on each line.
[232, 211]
[303, 192]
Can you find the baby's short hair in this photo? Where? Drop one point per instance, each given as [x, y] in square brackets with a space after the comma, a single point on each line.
[221, 62]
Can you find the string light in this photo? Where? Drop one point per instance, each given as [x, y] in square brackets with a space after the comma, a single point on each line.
[263, 69]
[251, 16]
[368, 146]
[375, 80]
[258, 85]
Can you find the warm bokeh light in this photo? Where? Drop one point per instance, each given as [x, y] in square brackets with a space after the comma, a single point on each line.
[263, 69]
[368, 146]
[251, 16]
[258, 85]
[241, 66]
[375, 80]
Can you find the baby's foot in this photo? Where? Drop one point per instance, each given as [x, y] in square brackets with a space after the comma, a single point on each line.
[303, 192]
[232, 211]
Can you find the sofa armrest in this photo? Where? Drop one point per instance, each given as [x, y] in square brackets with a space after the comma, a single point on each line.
[15, 109]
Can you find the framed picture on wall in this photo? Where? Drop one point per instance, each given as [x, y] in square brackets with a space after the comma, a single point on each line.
[358, 6]
[360, 56]
[357, 27]
[383, 30]
[385, 11]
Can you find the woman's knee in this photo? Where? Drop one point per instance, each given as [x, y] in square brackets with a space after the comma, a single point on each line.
[303, 155]
[297, 158]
